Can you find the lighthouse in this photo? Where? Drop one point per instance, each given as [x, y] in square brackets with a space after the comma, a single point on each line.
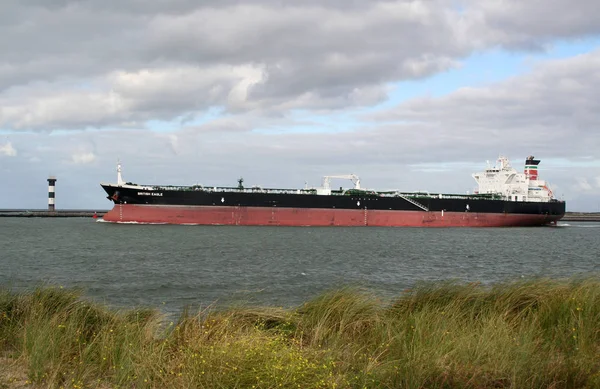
[51, 193]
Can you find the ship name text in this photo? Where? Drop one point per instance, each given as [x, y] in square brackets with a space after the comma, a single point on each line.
[149, 194]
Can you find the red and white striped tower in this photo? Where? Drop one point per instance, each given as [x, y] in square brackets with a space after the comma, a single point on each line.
[531, 168]
[51, 193]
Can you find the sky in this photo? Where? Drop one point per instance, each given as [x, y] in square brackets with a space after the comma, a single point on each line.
[409, 95]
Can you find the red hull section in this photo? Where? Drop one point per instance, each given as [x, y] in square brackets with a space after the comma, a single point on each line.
[263, 216]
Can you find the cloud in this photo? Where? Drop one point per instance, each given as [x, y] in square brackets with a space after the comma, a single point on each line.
[543, 111]
[8, 150]
[532, 24]
[128, 99]
[583, 184]
[106, 64]
[83, 158]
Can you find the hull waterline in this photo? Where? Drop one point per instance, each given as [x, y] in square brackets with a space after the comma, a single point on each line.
[273, 216]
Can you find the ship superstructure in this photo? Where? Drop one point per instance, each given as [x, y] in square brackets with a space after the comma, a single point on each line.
[504, 180]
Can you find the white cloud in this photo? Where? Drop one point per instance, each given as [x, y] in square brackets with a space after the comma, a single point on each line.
[126, 99]
[8, 150]
[82, 158]
[583, 184]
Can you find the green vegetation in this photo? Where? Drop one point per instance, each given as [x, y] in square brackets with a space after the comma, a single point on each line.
[529, 334]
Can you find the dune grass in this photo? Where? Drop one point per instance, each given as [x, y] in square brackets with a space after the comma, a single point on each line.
[540, 333]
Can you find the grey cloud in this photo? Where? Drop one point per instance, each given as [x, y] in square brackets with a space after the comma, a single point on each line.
[313, 55]
[554, 106]
[533, 23]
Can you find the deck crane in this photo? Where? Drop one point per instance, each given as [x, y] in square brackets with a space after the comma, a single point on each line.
[353, 177]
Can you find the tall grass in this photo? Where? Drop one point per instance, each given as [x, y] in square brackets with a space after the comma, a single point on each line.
[539, 333]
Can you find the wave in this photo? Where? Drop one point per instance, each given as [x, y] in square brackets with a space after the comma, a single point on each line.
[579, 225]
[140, 223]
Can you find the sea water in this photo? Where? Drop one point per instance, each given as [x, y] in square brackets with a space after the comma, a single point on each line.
[170, 267]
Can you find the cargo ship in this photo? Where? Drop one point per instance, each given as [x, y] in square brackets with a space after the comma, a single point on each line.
[505, 197]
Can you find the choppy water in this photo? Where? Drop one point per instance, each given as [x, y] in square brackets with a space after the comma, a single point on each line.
[173, 266]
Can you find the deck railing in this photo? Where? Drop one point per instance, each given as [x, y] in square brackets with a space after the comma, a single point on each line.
[313, 191]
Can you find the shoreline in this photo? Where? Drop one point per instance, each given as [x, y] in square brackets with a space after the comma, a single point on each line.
[581, 217]
[46, 213]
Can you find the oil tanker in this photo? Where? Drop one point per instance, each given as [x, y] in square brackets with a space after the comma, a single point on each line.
[505, 197]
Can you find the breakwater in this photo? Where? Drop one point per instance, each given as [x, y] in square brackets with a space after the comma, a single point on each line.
[581, 217]
[46, 213]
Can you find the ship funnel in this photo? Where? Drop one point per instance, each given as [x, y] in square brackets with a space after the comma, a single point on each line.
[531, 167]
